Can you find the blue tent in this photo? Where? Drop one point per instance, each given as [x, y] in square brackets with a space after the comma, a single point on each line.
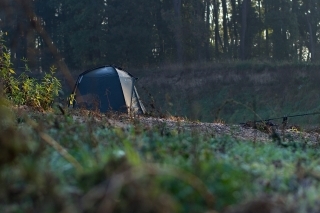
[107, 88]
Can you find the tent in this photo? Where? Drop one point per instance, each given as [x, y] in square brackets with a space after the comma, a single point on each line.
[107, 88]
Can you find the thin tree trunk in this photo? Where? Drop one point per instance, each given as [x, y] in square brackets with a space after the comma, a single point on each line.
[225, 29]
[244, 14]
[267, 32]
[47, 39]
[207, 41]
[311, 40]
[296, 43]
[199, 17]
[313, 30]
[216, 28]
[178, 30]
[235, 30]
[259, 39]
[300, 47]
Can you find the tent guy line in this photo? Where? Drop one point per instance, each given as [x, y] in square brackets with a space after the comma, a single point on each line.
[285, 118]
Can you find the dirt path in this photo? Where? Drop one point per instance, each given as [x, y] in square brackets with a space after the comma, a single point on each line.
[236, 131]
[240, 132]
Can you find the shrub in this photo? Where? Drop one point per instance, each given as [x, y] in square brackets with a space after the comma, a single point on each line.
[23, 90]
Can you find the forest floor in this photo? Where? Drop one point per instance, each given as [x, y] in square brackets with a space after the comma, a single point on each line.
[175, 125]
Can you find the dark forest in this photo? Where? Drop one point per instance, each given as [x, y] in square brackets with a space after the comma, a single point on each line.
[149, 33]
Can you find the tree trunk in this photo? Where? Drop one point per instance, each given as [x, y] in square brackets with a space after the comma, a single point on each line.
[296, 44]
[178, 30]
[267, 32]
[259, 39]
[216, 28]
[300, 48]
[312, 20]
[235, 30]
[207, 41]
[244, 16]
[225, 29]
[311, 39]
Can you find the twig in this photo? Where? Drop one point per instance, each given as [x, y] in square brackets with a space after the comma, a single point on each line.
[36, 24]
[60, 149]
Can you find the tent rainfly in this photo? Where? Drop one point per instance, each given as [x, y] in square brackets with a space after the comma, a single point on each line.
[106, 88]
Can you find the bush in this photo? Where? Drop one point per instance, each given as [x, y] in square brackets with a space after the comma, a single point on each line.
[23, 90]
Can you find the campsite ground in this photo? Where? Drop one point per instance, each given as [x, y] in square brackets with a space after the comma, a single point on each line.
[175, 125]
[167, 125]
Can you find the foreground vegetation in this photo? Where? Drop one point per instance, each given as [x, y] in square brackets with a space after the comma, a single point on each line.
[52, 163]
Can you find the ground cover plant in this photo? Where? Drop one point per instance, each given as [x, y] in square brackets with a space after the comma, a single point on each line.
[54, 163]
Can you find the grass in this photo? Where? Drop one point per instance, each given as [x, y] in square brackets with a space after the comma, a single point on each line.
[198, 91]
[53, 163]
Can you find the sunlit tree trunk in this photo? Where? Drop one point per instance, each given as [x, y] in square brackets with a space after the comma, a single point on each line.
[311, 19]
[311, 39]
[207, 41]
[300, 48]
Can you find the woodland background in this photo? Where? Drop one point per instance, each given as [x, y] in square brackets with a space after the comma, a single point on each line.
[144, 33]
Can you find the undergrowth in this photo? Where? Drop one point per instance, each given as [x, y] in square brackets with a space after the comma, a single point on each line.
[24, 90]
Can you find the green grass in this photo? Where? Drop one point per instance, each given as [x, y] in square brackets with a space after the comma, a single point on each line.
[140, 169]
[198, 91]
